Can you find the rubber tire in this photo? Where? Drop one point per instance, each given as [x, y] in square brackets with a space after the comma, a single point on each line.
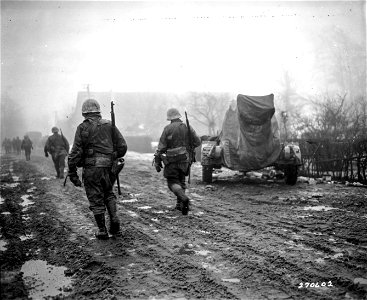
[207, 174]
[291, 173]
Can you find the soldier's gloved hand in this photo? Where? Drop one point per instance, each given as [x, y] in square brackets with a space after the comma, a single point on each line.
[46, 154]
[74, 178]
[158, 167]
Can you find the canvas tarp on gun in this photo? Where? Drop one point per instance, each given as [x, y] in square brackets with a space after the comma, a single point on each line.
[250, 134]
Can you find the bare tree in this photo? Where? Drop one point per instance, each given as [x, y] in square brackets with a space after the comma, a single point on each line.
[289, 102]
[208, 109]
[342, 61]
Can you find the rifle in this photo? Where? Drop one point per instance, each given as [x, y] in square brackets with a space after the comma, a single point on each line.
[114, 144]
[67, 150]
[191, 148]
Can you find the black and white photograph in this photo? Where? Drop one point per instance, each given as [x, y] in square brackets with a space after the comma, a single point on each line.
[158, 150]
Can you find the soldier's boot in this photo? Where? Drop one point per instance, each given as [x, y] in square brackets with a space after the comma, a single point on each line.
[114, 219]
[101, 234]
[185, 201]
[61, 173]
[178, 204]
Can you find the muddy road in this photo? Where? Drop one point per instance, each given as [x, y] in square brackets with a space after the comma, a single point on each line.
[242, 239]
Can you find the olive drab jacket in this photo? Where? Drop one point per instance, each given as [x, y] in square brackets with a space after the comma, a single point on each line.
[175, 135]
[93, 139]
[56, 144]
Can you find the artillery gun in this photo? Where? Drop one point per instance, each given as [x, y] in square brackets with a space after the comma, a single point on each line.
[250, 140]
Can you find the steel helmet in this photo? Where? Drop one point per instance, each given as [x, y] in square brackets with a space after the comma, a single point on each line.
[172, 114]
[54, 129]
[90, 106]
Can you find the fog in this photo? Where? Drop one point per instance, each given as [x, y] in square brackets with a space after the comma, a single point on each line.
[53, 50]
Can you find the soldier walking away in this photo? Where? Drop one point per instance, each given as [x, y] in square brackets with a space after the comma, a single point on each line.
[176, 149]
[18, 145]
[58, 146]
[27, 146]
[7, 145]
[94, 151]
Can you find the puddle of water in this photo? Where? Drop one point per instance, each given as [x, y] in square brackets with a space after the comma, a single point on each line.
[2, 200]
[159, 212]
[32, 189]
[154, 219]
[3, 245]
[131, 213]
[129, 200]
[144, 207]
[26, 201]
[233, 280]
[43, 280]
[318, 208]
[26, 237]
[202, 252]
[45, 178]
[155, 230]
[5, 213]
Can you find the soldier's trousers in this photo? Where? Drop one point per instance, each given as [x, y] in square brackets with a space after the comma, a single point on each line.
[175, 173]
[27, 153]
[59, 163]
[98, 184]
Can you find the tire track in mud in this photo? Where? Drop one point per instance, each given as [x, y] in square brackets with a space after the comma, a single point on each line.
[173, 269]
[282, 261]
[235, 243]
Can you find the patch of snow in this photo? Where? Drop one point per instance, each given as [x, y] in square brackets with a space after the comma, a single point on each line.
[318, 208]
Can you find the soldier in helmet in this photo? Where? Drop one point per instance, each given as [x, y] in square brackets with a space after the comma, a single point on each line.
[58, 146]
[94, 150]
[173, 150]
[27, 146]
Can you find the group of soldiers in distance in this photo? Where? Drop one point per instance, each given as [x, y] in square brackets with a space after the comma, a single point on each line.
[16, 145]
[98, 147]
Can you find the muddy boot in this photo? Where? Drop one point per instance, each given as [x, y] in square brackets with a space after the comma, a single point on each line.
[102, 230]
[184, 201]
[178, 204]
[114, 220]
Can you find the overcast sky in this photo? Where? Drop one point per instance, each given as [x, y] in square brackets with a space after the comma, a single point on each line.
[50, 50]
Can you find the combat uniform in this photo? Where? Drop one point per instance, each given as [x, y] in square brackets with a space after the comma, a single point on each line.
[27, 146]
[58, 146]
[174, 150]
[93, 149]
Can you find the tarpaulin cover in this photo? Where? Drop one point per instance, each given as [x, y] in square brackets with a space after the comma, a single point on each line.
[250, 134]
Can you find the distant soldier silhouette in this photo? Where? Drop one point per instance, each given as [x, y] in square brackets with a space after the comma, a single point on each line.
[27, 146]
[58, 146]
[93, 149]
[17, 145]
